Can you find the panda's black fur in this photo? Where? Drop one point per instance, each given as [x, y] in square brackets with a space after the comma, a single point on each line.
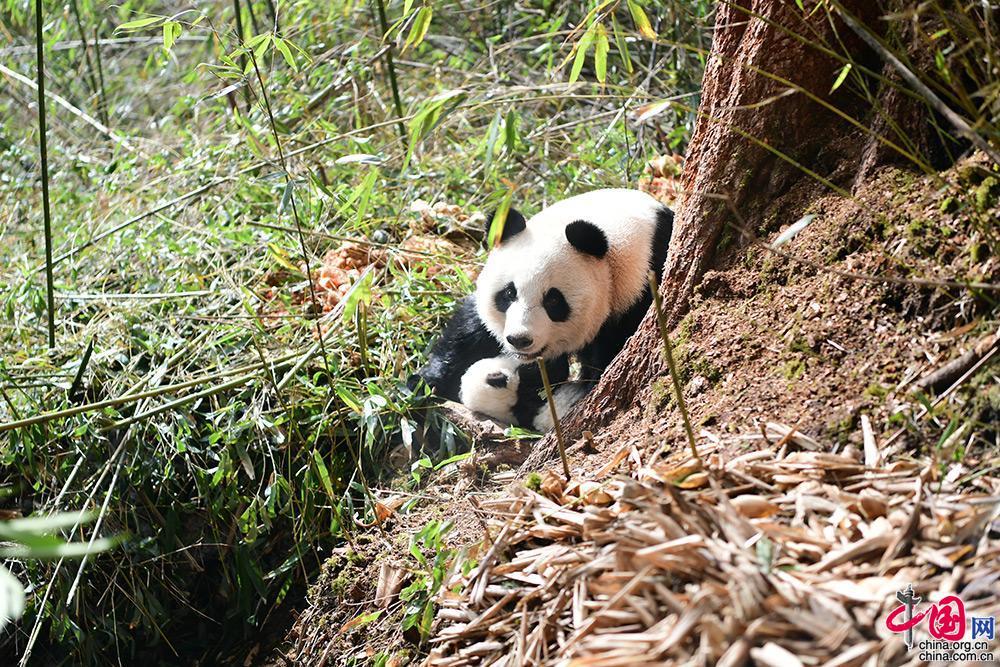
[466, 339]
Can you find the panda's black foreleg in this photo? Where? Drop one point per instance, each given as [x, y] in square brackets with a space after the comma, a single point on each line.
[463, 341]
[531, 398]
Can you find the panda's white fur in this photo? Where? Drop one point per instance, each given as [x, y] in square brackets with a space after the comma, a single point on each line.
[482, 392]
[540, 257]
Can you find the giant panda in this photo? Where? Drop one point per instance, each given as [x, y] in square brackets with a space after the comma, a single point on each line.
[569, 283]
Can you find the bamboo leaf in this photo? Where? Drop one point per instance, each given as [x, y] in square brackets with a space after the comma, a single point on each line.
[138, 23]
[499, 219]
[60, 550]
[510, 131]
[421, 24]
[171, 31]
[285, 52]
[324, 474]
[601, 48]
[581, 55]
[844, 71]
[491, 142]
[622, 46]
[360, 291]
[640, 19]
[260, 48]
[43, 524]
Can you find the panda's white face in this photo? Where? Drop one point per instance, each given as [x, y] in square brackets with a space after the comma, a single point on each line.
[540, 294]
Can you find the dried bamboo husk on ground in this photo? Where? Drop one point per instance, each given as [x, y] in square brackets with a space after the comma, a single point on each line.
[783, 555]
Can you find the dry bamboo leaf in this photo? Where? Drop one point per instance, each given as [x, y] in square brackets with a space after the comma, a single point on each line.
[390, 581]
[593, 493]
[873, 458]
[754, 507]
[772, 655]
[786, 434]
[861, 547]
[552, 486]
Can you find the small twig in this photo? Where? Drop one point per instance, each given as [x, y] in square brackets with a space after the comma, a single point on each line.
[674, 375]
[102, 102]
[91, 73]
[555, 417]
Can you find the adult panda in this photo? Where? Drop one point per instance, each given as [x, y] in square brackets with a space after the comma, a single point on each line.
[569, 282]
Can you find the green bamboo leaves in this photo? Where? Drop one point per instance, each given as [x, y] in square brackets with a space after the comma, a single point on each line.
[595, 38]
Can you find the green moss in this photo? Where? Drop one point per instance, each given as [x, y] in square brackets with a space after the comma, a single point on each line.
[533, 481]
[683, 332]
[800, 345]
[876, 390]
[794, 369]
[918, 228]
[661, 394]
[726, 239]
[702, 366]
[971, 174]
[985, 195]
[840, 430]
[948, 205]
[979, 251]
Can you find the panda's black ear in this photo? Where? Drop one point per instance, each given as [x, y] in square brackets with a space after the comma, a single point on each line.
[513, 225]
[588, 238]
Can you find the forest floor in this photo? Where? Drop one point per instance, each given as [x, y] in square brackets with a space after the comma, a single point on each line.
[847, 434]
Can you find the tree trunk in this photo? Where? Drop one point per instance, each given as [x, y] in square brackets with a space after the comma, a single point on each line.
[752, 108]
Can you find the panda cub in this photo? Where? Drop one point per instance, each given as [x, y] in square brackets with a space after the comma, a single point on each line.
[571, 281]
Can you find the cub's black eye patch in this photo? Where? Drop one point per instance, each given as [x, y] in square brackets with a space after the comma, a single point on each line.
[555, 305]
[505, 297]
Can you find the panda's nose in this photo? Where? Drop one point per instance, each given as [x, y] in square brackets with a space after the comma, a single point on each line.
[520, 342]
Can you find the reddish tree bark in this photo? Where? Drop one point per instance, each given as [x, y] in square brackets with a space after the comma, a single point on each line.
[752, 107]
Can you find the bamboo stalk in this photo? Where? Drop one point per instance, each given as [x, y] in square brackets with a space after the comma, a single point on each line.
[674, 375]
[44, 155]
[289, 183]
[555, 416]
[132, 397]
[391, 70]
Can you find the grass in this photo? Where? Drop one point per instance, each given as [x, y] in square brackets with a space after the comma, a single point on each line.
[211, 426]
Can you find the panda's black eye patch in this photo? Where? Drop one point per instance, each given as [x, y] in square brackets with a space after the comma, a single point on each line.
[555, 305]
[505, 297]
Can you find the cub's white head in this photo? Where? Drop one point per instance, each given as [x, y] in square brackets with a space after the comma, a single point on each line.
[546, 289]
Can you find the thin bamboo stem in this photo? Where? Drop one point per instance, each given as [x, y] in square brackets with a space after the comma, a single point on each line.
[44, 155]
[674, 375]
[391, 70]
[555, 416]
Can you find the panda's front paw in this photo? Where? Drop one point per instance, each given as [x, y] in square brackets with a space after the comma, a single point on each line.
[490, 387]
[566, 396]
